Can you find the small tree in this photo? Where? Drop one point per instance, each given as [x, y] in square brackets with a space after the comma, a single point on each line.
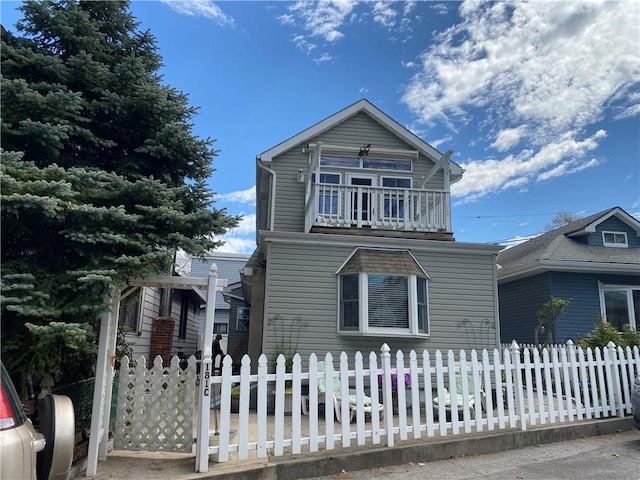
[560, 219]
[547, 318]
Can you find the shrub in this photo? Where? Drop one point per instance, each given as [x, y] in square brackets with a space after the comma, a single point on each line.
[604, 332]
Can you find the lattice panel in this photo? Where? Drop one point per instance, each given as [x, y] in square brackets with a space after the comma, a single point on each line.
[155, 406]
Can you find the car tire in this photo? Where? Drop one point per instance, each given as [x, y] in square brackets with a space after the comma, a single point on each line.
[57, 424]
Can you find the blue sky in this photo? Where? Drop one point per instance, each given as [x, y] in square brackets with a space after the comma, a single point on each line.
[539, 101]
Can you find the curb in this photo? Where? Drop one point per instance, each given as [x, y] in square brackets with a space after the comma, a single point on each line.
[421, 450]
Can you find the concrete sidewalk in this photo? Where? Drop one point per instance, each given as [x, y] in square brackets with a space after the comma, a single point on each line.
[174, 466]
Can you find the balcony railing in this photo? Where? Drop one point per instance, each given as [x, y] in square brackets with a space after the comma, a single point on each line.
[355, 206]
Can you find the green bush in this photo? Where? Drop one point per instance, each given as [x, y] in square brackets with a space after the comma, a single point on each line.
[604, 333]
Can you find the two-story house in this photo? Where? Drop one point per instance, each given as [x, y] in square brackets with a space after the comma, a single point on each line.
[355, 238]
[593, 262]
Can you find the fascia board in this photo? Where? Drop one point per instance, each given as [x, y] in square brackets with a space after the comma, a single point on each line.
[344, 114]
[560, 266]
[616, 212]
[376, 242]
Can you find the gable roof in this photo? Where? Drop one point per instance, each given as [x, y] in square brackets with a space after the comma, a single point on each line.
[558, 250]
[385, 120]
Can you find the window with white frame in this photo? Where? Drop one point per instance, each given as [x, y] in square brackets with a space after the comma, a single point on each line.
[130, 310]
[620, 305]
[376, 303]
[394, 198]
[242, 319]
[615, 239]
[366, 162]
[328, 193]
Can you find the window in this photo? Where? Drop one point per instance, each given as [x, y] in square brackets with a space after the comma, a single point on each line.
[366, 162]
[131, 309]
[221, 328]
[377, 303]
[242, 319]
[184, 316]
[620, 305]
[328, 196]
[614, 239]
[394, 198]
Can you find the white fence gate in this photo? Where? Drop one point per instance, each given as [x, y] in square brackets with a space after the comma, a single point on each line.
[155, 406]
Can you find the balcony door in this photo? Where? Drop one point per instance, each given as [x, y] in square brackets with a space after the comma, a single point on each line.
[361, 199]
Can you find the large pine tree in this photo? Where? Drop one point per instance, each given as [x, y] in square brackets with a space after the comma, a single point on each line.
[102, 177]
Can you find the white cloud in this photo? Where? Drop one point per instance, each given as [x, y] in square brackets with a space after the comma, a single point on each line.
[324, 58]
[487, 176]
[508, 138]
[439, 141]
[200, 8]
[384, 14]
[552, 66]
[241, 239]
[302, 44]
[323, 19]
[247, 226]
[237, 245]
[517, 240]
[408, 6]
[409, 64]
[247, 196]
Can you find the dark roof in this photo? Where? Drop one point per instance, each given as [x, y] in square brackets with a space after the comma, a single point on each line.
[560, 245]
[382, 261]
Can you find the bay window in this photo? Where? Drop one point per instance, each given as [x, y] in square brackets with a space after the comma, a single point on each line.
[373, 302]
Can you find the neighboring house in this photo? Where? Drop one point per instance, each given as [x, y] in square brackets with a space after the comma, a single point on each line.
[594, 262]
[355, 237]
[150, 335]
[231, 314]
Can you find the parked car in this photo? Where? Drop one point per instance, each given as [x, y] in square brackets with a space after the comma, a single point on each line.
[30, 454]
[635, 402]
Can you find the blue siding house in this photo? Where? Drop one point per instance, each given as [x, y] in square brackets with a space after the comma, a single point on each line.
[594, 262]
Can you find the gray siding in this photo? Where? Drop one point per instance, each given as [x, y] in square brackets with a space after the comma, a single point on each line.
[301, 280]
[359, 130]
[141, 343]
[189, 344]
[520, 301]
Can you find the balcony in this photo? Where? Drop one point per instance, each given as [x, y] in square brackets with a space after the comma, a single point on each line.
[368, 207]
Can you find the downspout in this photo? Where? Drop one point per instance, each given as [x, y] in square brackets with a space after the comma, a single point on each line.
[272, 200]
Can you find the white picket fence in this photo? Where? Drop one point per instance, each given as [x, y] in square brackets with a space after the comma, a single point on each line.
[521, 388]
[511, 388]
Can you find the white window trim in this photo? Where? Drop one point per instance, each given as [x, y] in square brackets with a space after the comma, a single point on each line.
[240, 316]
[329, 185]
[363, 311]
[127, 293]
[628, 289]
[361, 163]
[615, 245]
[403, 177]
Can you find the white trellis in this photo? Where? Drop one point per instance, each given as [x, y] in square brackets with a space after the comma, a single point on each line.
[99, 433]
[155, 406]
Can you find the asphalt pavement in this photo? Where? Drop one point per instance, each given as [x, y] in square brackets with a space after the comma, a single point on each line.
[615, 456]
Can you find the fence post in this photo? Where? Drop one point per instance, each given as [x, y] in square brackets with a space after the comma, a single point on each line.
[387, 398]
[206, 370]
[615, 375]
[517, 377]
